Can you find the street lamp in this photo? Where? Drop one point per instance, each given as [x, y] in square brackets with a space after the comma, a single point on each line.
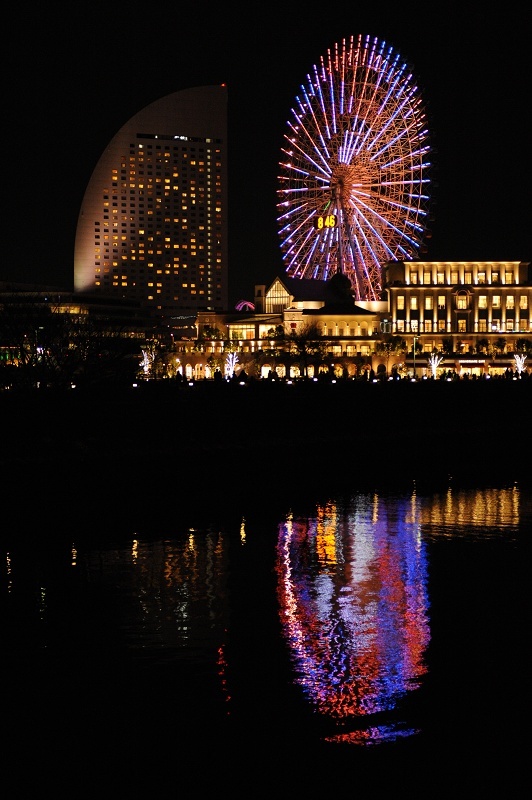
[415, 340]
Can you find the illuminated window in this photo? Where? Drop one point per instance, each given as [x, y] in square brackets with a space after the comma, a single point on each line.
[523, 302]
[496, 301]
[440, 278]
[508, 277]
[482, 326]
[429, 303]
[441, 301]
[426, 277]
[462, 326]
[401, 302]
[495, 277]
[461, 302]
[441, 325]
[482, 301]
[468, 277]
[510, 301]
[413, 277]
[481, 277]
[413, 303]
[454, 276]
[428, 326]
[277, 299]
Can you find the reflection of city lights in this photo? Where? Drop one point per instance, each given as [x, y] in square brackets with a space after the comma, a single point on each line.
[481, 509]
[9, 571]
[43, 603]
[177, 592]
[353, 604]
[372, 735]
[134, 549]
[222, 673]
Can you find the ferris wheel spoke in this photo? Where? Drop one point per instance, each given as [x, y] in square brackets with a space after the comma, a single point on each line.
[379, 225]
[308, 157]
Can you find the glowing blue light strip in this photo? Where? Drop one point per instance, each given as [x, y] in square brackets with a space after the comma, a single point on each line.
[323, 169]
[325, 154]
[398, 112]
[321, 101]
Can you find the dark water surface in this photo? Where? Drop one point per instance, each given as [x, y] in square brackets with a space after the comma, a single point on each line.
[365, 642]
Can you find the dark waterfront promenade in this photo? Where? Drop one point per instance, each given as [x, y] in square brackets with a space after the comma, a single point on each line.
[209, 436]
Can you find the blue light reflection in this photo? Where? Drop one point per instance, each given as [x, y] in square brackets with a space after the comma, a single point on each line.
[352, 591]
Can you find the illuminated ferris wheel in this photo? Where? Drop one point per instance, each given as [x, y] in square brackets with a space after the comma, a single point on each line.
[353, 192]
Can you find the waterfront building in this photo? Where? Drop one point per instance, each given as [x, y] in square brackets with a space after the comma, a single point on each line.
[152, 227]
[475, 314]
[466, 309]
[54, 337]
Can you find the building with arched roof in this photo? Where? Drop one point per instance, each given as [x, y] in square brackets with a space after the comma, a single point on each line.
[153, 222]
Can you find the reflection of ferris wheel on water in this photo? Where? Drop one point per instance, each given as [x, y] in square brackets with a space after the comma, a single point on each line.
[353, 188]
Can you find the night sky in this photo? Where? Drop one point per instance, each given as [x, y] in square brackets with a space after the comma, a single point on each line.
[73, 77]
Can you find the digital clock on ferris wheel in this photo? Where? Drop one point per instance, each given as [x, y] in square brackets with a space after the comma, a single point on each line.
[325, 221]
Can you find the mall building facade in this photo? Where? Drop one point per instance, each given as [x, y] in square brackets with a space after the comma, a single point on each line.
[475, 314]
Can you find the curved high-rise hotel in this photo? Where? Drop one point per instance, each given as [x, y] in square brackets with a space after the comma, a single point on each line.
[153, 222]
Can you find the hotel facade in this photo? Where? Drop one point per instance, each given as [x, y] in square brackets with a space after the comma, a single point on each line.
[152, 227]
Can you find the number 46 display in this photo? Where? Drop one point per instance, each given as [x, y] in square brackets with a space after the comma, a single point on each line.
[327, 221]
